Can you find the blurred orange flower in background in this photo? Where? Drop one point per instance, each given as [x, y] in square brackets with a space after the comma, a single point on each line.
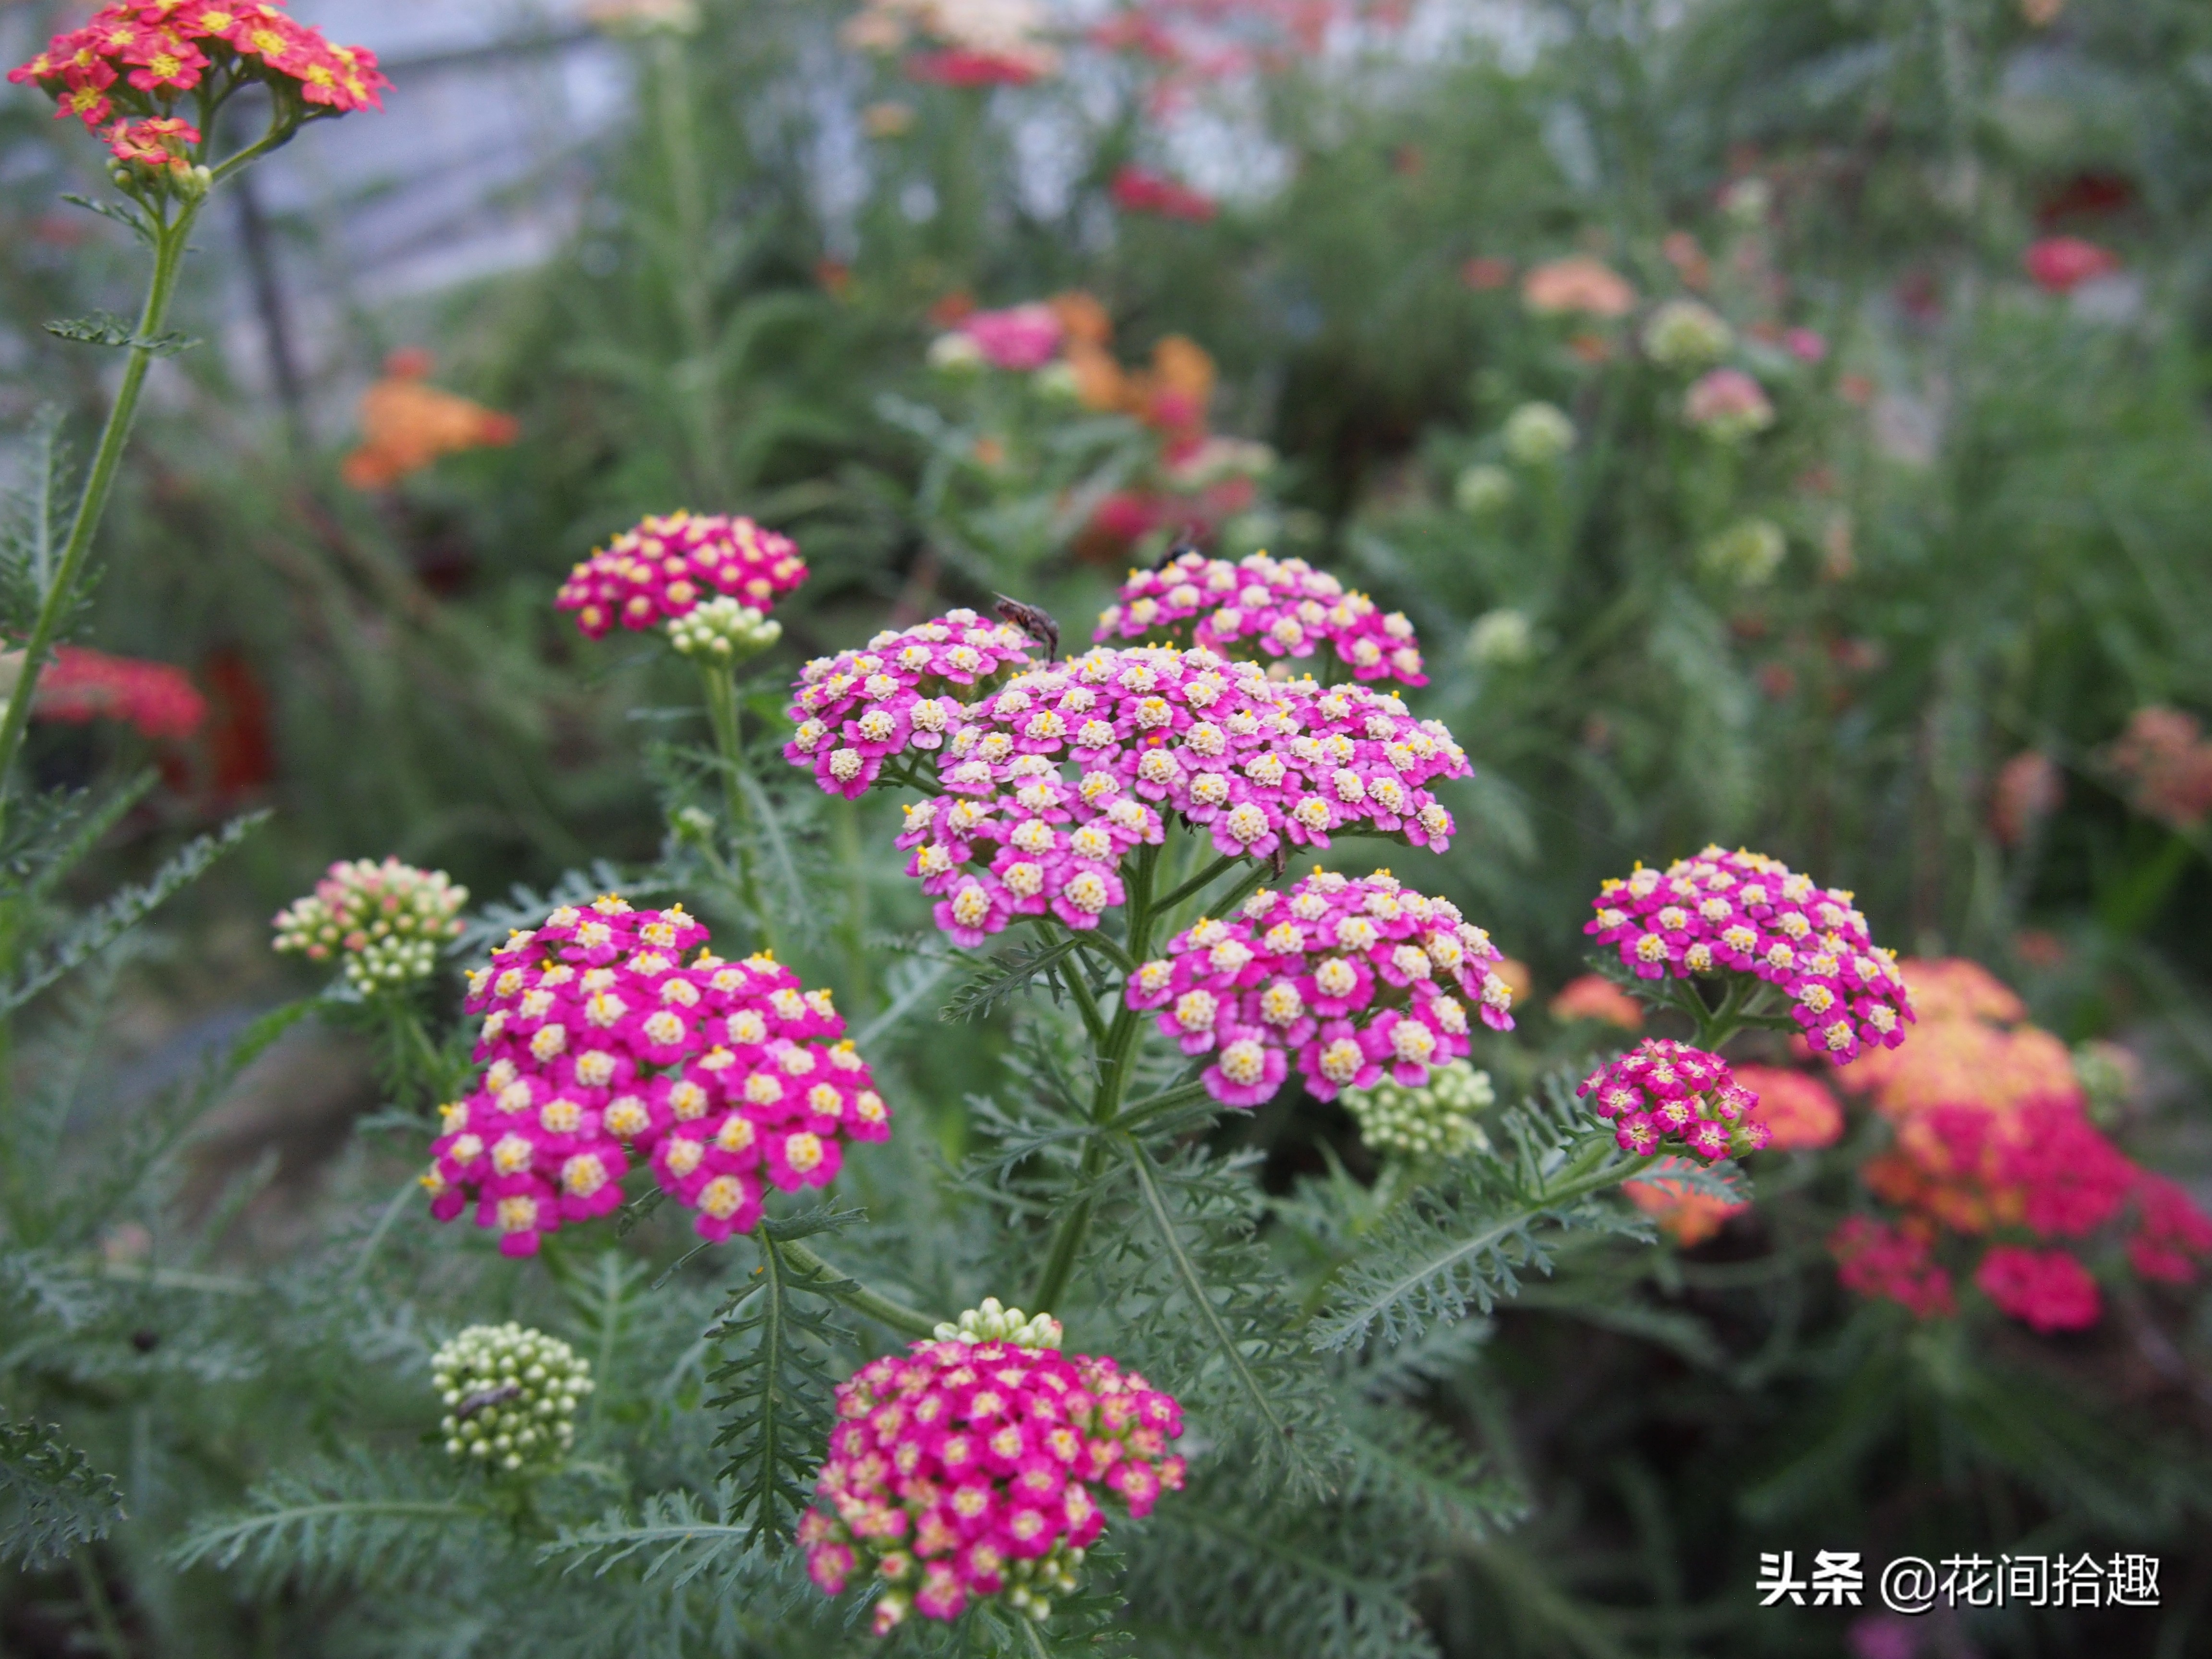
[1798, 1111]
[1595, 997]
[1580, 283]
[405, 424]
[1679, 1210]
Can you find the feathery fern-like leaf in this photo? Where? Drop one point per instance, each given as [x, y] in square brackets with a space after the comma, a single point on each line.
[51, 1498]
[123, 911]
[366, 1520]
[777, 1390]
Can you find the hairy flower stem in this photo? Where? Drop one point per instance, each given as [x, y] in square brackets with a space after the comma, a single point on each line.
[717, 683]
[61, 585]
[1115, 1056]
[854, 1294]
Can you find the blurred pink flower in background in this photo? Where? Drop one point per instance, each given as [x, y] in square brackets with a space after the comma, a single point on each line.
[81, 685]
[2059, 264]
[1022, 337]
[1135, 190]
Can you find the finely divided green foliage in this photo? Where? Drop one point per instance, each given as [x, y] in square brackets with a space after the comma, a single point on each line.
[1465, 1242]
[120, 914]
[366, 1519]
[51, 1497]
[775, 1405]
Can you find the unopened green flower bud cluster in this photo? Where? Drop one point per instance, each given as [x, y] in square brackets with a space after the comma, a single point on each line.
[387, 920]
[721, 630]
[992, 1323]
[1434, 1121]
[511, 1395]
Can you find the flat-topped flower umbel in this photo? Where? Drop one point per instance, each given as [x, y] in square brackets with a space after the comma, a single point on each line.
[1744, 913]
[963, 1472]
[666, 567]
[1046, 776]
[1282, 607]
[1355, 979]
[126, 73]
[599, 1042]
[1664, 1094]
[387, 922]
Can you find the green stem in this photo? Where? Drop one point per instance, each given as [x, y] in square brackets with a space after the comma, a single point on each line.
[855, 1295]
[717, 683]
[1203, 879]
[1114, 1055]
[109, 1633]
[1153, 1106]
[169, 261]
[683, 256]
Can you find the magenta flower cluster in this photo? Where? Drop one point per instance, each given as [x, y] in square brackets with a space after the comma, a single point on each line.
[858, 709]
[665, 566]
[1354, 978]
[1048, 779]
[1746, 913]
[1663, 1093]
[600, 1043]
[958, 1469]
[1284, 607]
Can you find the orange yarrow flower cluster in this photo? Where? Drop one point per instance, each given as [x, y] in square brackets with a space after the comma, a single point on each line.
[406, 424]
[1992, 1142]
[123, 73]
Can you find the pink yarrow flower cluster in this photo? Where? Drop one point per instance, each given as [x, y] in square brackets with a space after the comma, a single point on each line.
[664, 566]
[1893, 1262]
[962, 1473]
[1050, 780]
[601, 1044]
[901, 692]
[123, 73]
[1354, 978]
[2048, 1290]
[1662, 1094]
[1746, 913]
[1284, 607]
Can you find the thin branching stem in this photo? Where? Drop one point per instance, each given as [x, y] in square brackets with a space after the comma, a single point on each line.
[835, 1282]
[169, 239]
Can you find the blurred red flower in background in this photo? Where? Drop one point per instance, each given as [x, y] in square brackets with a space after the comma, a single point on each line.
[2059, 264]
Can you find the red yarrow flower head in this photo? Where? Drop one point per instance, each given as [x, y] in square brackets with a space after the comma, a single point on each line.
[1744, 913]
[1663, 1093]
[1879, 1260]
[140, 56]
[2048, 1290]
[2171, 1234]
[82, 684]
[2059, 264]
[664, 568]
[600, 1043]
[1138, 190]
[966, 1473]
[1354, 979]
[155, 141]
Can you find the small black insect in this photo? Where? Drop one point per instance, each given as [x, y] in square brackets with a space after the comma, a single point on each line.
[1175, 551]
[145, 1340]
[484, 1399]
[1036, 623]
